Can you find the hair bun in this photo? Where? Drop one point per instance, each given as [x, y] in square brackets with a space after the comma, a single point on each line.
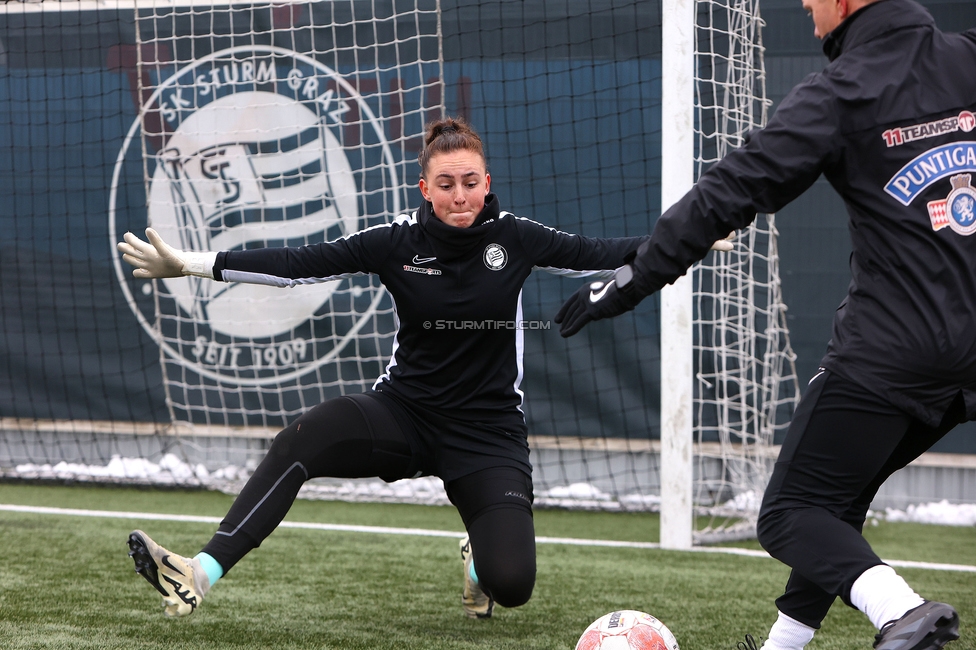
[457, 135]
[444, 127]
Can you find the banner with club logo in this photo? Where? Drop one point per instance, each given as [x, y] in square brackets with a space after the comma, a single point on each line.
[254, 145]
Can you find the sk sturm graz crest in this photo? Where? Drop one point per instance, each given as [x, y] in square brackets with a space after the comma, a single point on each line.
[255, 150]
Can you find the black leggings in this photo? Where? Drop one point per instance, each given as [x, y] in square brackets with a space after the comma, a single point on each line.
[357, 436]
[843, 443]
[496, 507]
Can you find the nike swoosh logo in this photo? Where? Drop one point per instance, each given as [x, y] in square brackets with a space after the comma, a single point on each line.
[597, 296]
[422, 260]
[165, 561]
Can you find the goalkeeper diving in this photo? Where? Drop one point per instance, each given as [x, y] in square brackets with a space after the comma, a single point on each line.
[449, 402]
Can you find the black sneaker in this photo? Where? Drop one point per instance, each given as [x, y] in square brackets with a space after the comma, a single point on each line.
[929, 626]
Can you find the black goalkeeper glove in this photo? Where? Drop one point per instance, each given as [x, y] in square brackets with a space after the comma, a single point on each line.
[598, 300]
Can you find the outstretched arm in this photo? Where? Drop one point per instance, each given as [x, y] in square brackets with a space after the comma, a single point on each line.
[157, 259]
[599, 300]
[773, 167]
[282, 266]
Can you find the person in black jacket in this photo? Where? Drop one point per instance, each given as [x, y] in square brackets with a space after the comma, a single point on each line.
[890, 123]
[449, 402]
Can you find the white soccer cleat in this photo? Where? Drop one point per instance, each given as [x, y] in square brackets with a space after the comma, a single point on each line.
[182, 581]
[476, 603]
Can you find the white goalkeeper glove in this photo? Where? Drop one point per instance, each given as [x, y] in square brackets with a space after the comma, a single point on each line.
[724, 245]
[157, 259]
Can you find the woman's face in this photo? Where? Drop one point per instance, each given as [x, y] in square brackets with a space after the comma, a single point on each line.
[456, 184]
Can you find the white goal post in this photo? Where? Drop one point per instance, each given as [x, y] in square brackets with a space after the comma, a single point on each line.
[677, 177]
[728, 380]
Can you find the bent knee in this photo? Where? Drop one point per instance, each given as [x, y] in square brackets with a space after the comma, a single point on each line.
[510, 588]
[776, 528]
[287, 444]
[768, 527]
[513, 593]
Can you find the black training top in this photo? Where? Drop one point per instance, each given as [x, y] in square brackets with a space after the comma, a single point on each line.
[890, 123]
[457, 297]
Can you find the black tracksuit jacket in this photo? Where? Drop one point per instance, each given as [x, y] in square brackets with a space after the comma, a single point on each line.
[890, 123]
[457, 296]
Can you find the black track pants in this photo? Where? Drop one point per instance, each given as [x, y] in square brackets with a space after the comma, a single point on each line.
[843, 443]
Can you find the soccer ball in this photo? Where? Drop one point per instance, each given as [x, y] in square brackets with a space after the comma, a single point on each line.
[627, 630]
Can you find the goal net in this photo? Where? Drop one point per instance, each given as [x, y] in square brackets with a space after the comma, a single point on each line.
[745, 385]
[250, 124]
